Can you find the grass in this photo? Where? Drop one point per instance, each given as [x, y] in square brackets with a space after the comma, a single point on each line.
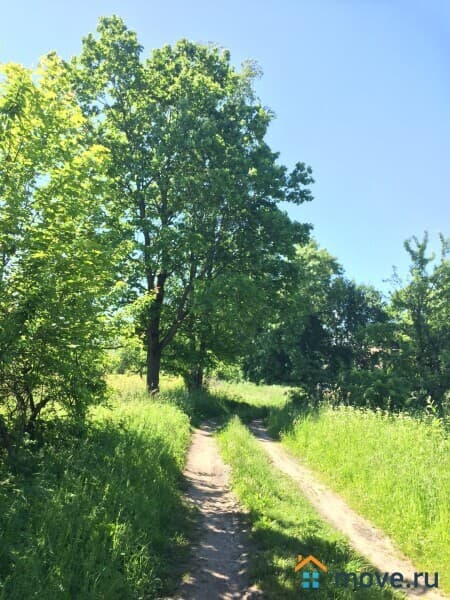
[395, 470]
[392, 469]
[259, 396]
[224, 400]
[99, 516]
[129, 385]
[284, 524]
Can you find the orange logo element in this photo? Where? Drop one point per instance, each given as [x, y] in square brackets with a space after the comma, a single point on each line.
[302, 562]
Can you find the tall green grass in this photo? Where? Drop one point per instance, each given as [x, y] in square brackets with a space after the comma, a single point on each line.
[99, 516]
[393, 469]
[285, 525]
[260, 396]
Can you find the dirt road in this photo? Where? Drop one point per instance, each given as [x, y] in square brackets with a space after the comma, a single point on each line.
[219, 568]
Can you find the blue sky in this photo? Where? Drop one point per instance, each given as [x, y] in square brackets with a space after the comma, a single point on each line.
[360, 88]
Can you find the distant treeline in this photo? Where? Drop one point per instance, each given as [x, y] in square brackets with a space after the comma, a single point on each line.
[343, 341]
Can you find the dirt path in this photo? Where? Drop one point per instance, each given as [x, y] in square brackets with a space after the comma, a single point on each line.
[363, 536]
[219, 568]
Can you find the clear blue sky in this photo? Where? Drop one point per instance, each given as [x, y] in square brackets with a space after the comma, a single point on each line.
[360, 88]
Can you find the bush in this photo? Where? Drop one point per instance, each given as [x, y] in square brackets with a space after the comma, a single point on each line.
[56, 268]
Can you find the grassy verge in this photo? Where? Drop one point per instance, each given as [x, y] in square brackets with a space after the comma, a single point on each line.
[258, 396]
[395, 470]
[98, 516]
[247, 400]
[284, 524]
[201, 405]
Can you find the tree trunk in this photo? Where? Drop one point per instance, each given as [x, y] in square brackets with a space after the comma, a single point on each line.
[5, 441]
[154, 346]
[196, 376]
[153, 367]
[196, 379]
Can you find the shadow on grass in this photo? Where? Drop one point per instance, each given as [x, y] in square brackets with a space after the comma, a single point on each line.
[205, 405]
[100, 516]
[273, 565]
[221, 407]
[281, 420]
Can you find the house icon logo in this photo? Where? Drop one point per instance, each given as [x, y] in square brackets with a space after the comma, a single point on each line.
[310, 575]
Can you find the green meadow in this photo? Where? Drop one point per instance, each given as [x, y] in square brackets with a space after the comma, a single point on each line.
[393, 469]
[99, 513]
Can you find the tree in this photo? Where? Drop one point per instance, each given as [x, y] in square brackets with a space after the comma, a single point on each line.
[292, 347]
[222, 321]
[423, 316]
[322, 328]
[54, 272]
[196, 185]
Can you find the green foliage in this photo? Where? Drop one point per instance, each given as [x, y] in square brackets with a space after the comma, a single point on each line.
[408, 365]
[55, 266]
[378, 388]
[321, 326]
[101, 516]
[296, 312]
[130, 358]
[226, 372]
[422, 311]
[219, 328]
[197, 186]
[329, 334]
[127, 354]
